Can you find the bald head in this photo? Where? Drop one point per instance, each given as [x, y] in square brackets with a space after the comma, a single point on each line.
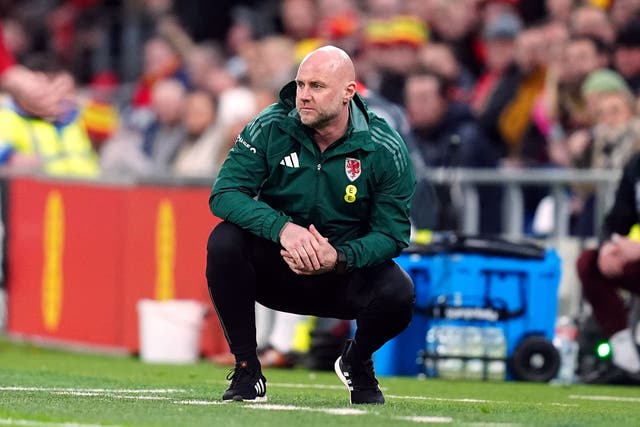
[325, 86]
[334, 59]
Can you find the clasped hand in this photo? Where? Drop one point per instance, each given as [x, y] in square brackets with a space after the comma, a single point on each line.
[306, 251]
[616, 253]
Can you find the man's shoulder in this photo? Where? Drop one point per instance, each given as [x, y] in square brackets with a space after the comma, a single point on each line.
[390, 147]
[277, 109]
[270, 116]
[382, 134]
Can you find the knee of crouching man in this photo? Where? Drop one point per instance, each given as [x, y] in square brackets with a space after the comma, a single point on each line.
[398, 294]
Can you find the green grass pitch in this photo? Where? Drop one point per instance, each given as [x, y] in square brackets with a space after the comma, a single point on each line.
[41, 387]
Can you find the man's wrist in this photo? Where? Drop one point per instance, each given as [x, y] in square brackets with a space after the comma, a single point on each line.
[341, 262]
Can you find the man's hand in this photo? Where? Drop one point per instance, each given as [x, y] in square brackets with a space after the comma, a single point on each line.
[325, 253]
[35, 92]
[610, 258]
[629, 249]
[301, 247]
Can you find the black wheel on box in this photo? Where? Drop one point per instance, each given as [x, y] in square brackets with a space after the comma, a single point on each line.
[535, 359]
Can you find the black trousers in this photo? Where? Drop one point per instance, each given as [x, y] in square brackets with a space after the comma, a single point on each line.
[243, 268]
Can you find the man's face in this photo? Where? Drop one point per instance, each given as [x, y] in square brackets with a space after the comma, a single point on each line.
[320, 95]
[627, 60]
[613, 110]
[425, 106]
[581, 58]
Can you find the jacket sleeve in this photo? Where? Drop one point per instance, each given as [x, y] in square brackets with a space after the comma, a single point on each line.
[623, 214]
[390, 227]
[238, 183]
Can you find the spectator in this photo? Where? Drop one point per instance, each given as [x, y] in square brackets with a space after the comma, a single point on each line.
[55, 145]
[439, 58]
[455, 22]
[592, 21]
[622, 12]
[444, 134]
[161, 61]
[393, 46]
[562, 110]
[616, 131]
[217, 80]
[33, 92]
[499, 37]
[626, 54]
[201, 60]
[559, 10]
[614, 265]
[273, 65]
[198, 154]
[507, 116]
[612, 139]
[151, 150]
[298, 19]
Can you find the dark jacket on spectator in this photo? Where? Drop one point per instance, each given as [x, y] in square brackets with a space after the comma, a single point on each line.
[625, 211]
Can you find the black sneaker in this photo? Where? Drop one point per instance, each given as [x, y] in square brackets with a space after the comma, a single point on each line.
[247, 385]
[610, 375]
[359, 379]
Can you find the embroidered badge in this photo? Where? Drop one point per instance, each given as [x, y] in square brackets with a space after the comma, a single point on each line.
[352, 168]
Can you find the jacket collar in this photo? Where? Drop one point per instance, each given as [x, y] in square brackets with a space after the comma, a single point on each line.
[357, 135]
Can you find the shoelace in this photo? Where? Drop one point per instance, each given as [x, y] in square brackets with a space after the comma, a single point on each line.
[235, 374]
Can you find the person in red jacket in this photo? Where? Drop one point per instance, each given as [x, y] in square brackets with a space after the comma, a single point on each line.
[33, 92]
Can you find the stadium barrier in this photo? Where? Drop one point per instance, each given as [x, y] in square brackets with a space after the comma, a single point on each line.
[465, 183]
[81, 254]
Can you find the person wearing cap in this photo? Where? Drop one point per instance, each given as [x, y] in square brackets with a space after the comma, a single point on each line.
[612, 138]
[393, 45]
[499, 37]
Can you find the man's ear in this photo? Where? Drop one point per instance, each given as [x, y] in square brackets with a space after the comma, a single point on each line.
[349, 91]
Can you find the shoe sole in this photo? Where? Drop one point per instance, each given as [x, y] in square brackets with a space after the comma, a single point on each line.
[262, 399]
[336, 368]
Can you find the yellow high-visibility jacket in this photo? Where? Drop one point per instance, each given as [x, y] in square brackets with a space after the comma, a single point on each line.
[65, 150]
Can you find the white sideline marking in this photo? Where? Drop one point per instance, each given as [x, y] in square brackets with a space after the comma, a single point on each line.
[444, 399]
[493, 424]
[77, 393]
[605, 398]
[93, 390]
[429, 420]
[469, 400]
[566, 405]
[342, 411]
[199, 402]
[30, 423]
[330, 411]
[120, 396]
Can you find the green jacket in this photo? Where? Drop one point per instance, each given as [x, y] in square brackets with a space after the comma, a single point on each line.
[357, 192]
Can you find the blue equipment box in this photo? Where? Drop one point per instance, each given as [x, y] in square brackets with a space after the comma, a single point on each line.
[475, 282]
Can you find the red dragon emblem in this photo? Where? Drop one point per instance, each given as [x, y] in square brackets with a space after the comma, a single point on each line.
[352, 168]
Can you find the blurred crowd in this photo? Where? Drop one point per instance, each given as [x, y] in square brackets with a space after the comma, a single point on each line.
[162, 88]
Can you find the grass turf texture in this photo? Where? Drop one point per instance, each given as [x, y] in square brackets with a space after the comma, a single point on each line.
[51, 388]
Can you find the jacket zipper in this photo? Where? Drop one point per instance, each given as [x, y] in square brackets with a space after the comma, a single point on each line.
[314, 208]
